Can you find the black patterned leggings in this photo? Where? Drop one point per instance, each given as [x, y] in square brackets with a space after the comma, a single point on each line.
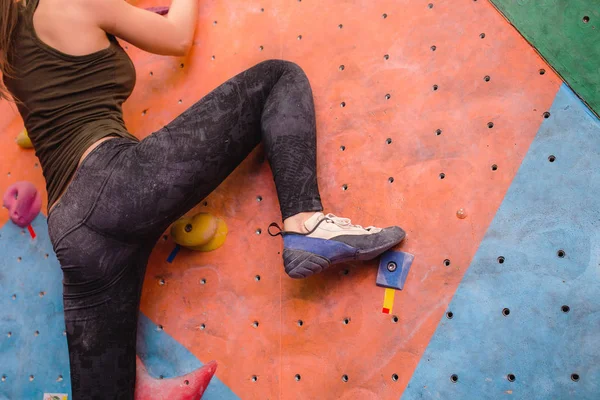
[126, 194]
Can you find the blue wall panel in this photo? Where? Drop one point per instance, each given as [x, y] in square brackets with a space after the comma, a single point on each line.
[32, 340]
[547, 232]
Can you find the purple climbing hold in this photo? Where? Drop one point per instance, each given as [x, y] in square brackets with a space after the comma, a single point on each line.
[23, 202]
[159, 10]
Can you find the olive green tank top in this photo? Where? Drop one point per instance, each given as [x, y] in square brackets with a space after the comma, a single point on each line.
[67, 102]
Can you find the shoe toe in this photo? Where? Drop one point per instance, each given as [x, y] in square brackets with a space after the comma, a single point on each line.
[393, 234]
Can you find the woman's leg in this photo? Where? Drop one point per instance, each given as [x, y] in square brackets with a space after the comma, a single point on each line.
[126, 194]
[172, 170]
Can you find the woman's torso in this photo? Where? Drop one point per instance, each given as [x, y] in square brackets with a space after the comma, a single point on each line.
[68, 102]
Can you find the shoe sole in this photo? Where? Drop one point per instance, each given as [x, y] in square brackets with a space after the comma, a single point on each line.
[300, 264]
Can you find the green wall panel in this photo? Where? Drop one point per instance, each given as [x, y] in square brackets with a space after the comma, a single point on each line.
[567, 34]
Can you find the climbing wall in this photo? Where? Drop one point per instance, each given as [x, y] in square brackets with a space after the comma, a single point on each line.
[426, 112]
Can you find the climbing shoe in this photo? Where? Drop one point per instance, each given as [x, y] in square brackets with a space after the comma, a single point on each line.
[332, 240]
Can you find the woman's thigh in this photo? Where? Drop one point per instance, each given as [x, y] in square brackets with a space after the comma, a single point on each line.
[170, 171]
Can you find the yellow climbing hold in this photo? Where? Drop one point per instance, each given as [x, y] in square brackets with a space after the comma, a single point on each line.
[23, 140]
[201, 232]
[217, 240]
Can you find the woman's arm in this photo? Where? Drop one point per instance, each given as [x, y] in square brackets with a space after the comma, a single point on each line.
[170, 35]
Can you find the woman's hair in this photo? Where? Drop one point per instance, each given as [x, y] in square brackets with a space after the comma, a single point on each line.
[8, 22]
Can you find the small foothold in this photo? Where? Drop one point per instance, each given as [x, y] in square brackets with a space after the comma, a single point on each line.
[461, 213]
[23, 202]
[23, 140]
[393, 269]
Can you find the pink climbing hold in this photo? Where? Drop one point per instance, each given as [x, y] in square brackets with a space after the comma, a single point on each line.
[23, 202]
[187, 387]
[159, 10]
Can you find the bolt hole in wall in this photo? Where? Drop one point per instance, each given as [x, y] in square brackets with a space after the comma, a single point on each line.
[561, 254]
[575, 377]
[344, 378]
[297, 377]
[506, 312]
[551, 158]
[449, 315]
[565, 309]
[511, 377]
[454, 378]
[585, 19]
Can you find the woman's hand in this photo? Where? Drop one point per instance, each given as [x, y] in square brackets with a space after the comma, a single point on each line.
[170, 35]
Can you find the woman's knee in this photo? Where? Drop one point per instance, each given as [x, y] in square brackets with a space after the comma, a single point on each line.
[283, 66]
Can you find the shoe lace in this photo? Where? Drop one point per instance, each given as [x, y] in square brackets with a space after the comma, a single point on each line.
[344, 222]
